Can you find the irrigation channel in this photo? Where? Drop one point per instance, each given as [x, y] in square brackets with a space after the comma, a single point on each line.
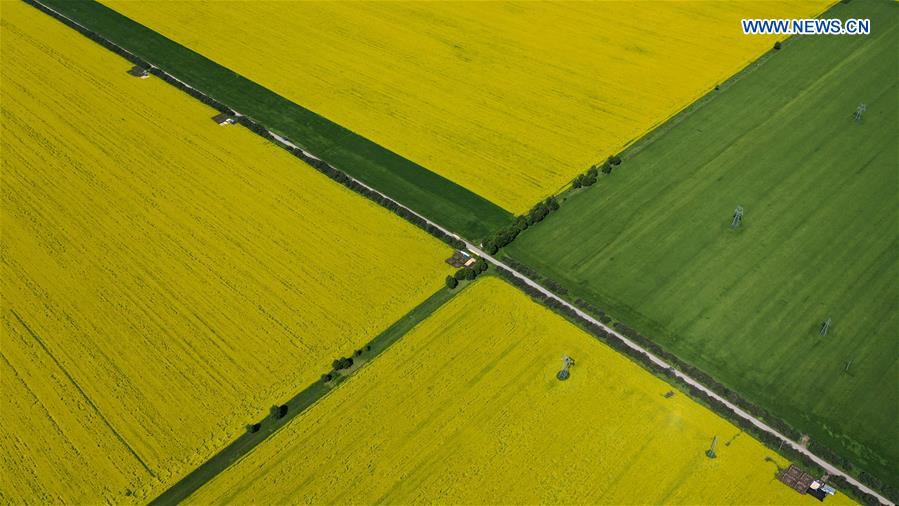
[248, 441]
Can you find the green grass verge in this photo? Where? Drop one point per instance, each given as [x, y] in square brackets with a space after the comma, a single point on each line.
[430, 194]
[651, 244]
[245, 443]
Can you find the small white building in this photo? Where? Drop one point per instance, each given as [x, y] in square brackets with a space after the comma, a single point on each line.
[224, 119]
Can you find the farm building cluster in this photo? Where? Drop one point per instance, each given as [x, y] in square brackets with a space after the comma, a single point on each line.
[461, 259]
[804, 483]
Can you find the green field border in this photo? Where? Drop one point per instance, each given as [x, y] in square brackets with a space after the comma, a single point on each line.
[313, 393]
[426, 192]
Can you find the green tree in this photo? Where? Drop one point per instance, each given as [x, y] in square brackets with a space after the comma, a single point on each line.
[552, 204]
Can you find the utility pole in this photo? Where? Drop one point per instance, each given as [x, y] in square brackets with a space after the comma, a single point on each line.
[710, 453]
[825, 326]
[738, 218]
[567, 362]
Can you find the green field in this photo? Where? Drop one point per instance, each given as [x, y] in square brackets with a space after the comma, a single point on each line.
[651, 243]
[428, 193]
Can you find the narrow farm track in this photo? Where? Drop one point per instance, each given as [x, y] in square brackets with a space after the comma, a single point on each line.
[827, 466]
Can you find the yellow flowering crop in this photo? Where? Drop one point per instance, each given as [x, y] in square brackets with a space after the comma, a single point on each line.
[510, 100]
[165, 280]
[466, 409]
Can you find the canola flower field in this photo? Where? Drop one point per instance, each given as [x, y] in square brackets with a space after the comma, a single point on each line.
[510, 100]
[466, 409]
[165, 280]
[652, 244]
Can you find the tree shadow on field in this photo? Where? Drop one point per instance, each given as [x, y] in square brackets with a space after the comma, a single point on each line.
[777, 467]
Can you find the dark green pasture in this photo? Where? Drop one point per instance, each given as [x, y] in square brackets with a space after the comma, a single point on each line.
[426, 192]
[652, 244]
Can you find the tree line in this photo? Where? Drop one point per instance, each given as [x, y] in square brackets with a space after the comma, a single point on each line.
[504, 236]
[507, 234]
[589, 178]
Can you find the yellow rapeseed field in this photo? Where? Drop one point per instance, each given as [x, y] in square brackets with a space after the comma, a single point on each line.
[165, 280]
[510, 100]
[466, 409]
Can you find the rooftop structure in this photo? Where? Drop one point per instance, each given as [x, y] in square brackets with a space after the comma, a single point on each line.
[224, 119]
[461, 259]
[796, 478]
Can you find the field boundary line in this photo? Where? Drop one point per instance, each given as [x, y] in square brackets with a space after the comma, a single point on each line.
[640, 142]
[314, 393]
[81, 391]
[229, 91]
[660, 127]
[329, 170]
[831, 469]
[827, 466]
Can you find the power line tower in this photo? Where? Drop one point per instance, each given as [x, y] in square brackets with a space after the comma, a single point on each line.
[738, 218]
[825, 326]
[859, 112]
[710, 453]
[567, 362]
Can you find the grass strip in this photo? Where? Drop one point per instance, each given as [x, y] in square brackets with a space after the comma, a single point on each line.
[244, 444]
[426, 192]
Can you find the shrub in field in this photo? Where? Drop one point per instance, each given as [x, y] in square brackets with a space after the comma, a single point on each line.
[342, 363]
[451, 282]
